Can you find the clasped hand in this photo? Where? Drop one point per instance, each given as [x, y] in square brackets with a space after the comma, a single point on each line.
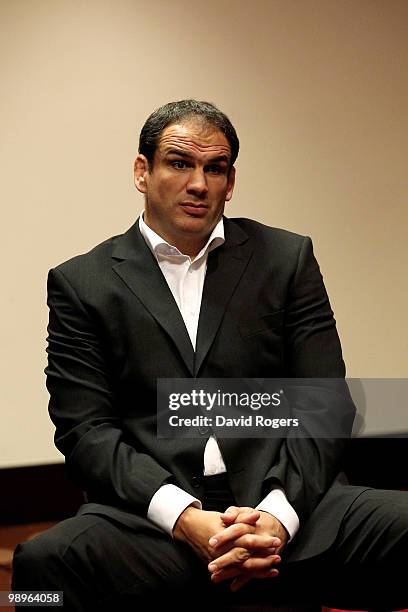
[241, 543]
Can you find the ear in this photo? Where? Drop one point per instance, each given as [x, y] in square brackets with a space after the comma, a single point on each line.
[141, 171]
[230, 185]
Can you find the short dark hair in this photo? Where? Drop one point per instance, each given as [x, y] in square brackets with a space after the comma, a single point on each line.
[174, 112]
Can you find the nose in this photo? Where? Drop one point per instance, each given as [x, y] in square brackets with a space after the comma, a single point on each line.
[197, 182]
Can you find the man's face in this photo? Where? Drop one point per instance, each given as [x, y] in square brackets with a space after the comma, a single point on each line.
[188, 185]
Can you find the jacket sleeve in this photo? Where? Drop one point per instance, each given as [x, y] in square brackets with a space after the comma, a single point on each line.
[310, 457]
[83, 410]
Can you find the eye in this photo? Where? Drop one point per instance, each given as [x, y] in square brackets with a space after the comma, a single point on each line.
[215, 169]
[179, 164]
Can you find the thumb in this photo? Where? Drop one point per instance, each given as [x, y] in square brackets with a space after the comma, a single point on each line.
[230, 515]
[242, 514]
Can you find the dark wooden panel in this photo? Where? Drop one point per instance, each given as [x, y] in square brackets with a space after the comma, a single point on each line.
[37, 493]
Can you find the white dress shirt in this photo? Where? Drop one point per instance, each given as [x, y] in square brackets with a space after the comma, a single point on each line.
[185, 278]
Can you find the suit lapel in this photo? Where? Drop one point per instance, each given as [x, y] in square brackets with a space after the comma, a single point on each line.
[139, 270]
[225, 267]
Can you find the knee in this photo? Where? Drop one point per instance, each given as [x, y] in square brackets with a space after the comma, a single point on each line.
[35, 562]
[396, 513]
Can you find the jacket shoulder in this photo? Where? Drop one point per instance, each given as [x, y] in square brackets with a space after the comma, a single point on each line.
[257, 229]
[267, 234]
[89, 260]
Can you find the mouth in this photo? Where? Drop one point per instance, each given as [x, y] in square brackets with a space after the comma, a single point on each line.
[195, 209]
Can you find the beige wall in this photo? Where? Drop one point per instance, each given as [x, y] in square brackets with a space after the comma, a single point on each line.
[318, 91]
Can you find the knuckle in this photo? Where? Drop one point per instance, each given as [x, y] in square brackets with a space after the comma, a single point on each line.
[249, 540]
[243, 529]
[249, 564]
[242, 554]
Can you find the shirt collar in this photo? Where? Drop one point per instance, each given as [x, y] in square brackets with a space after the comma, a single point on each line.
[161, 248]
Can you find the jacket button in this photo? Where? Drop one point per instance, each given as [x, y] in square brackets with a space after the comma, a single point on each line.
[196, 481]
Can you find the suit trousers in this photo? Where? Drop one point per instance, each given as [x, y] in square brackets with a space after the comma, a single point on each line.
[101, 564]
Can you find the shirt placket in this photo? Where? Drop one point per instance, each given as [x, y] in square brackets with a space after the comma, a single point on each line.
[189, 300]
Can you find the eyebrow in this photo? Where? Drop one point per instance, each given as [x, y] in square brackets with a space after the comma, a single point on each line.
[185, 154]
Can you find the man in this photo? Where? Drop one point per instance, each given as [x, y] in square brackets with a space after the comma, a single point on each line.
[188, 293]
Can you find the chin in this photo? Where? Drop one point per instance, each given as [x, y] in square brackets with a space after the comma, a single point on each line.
[193, 224]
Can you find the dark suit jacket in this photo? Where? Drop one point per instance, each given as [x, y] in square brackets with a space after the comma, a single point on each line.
[115, 328]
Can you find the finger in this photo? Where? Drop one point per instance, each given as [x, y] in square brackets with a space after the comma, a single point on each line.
[237, 509]
[237, 571]
[252, 541]
[233, 557]
[220, 551]
[248, 516]
[240, 515]
[257, 552]
[256, 564]
[230, 534]
[270, 573]
[232, 510]
[225, 574]
[261, 544]
[238, 561]
[228, 517]
[264, 552]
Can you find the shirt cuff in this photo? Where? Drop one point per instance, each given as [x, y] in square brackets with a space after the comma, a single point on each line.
[167, 504]
[276, 503]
